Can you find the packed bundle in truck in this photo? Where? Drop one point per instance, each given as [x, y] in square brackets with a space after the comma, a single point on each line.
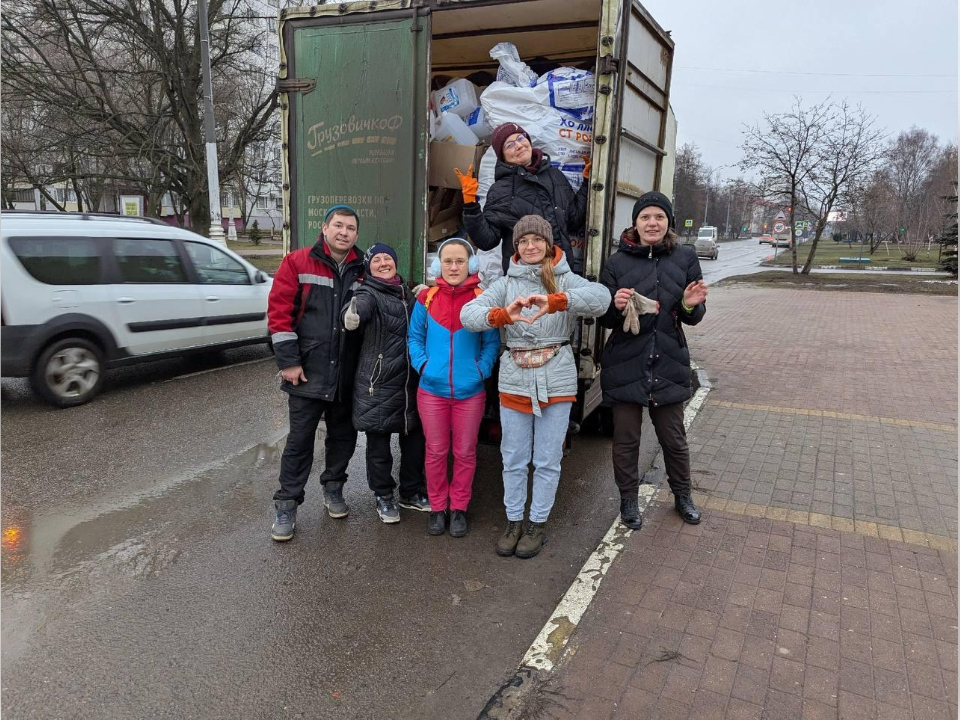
[357, 80]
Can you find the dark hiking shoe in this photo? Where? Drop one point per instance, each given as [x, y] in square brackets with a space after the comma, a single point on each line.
[286, 521]
[687, 510]
[458, 523]
[630, 513]
[418, 501]
[437, 524]
[507, 544]
[387, 509]
[532, 540]
[333, 499]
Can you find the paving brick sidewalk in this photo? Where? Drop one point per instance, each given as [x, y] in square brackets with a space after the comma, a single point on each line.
[836, 411]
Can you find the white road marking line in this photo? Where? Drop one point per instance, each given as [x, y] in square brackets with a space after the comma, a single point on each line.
[217, 369]
[548, 648]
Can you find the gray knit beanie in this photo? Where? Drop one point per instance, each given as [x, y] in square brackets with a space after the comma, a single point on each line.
[532, 224]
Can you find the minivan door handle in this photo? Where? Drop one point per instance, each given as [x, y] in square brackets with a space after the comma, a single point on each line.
[125, 300]
[213, 298]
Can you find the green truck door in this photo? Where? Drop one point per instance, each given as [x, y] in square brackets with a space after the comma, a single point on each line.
[358, 137]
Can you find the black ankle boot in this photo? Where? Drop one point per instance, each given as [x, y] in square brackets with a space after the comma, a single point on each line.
[630, 513]
[685, 507]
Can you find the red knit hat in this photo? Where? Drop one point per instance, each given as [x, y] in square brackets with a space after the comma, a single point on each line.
[501, 134]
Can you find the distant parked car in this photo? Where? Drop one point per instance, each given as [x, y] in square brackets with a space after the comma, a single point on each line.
[707, 248]
[766, 240]
[84, 292]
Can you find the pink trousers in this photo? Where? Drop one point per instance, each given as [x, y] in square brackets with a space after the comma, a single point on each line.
[446, 419]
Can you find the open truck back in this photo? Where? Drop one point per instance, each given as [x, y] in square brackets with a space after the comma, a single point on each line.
[355, 91]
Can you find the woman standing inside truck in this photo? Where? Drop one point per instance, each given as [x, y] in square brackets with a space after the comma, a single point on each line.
[525, 184]
[646, 362]
[538, 303]
[453, 364]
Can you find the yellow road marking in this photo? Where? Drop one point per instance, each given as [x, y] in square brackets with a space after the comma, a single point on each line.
[839, 415]
[799, 517]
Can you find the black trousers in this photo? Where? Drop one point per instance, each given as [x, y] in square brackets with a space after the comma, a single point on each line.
[668, 424]
[297, 461]
[380, 463]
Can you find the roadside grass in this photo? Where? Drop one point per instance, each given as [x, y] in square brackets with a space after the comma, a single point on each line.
[244, 244]
[829, 253]
[267, 263]
[848, 283]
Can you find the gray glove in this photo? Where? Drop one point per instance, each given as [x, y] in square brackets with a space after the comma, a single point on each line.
[638, 305]
[351, 320]
[419, 289]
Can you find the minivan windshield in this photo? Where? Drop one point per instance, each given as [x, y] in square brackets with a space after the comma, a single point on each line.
[705, 234]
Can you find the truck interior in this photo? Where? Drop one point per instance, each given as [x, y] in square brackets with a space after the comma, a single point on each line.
[547, 33]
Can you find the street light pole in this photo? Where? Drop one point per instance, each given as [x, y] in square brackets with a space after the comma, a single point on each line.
[209, 128]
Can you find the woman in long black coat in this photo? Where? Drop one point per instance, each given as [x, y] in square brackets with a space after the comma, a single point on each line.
[651, 368]
[385, 385]
[525, 183]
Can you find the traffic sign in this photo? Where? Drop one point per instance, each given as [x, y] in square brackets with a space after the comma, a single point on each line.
[688, 223]
[780, 216]
[779, 227]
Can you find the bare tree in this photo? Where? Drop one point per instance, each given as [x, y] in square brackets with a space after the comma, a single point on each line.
[910, 161]
[125, 74]
[782, 149]
[848, 149]
[689, 182]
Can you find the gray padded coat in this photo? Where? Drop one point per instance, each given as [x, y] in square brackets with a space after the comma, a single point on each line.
[558, 377]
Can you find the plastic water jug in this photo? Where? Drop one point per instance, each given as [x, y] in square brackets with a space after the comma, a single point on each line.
[477, 122]
[459, 97]
[452, 128]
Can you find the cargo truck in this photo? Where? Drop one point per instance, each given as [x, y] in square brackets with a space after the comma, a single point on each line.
[355, 81]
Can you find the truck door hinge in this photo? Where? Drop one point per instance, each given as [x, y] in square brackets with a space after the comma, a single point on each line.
[608, 64]
[301, 85]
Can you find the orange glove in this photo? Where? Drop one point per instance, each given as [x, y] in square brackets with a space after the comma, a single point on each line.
[586, 167]
[468, 184]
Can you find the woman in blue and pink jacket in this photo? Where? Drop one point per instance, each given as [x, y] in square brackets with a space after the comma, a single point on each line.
[453, 364]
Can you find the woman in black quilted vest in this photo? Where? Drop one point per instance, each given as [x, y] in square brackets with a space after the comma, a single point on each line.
[385, 387]
[657, 287]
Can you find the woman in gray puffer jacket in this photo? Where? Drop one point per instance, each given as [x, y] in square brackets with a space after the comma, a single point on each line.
[538, 302]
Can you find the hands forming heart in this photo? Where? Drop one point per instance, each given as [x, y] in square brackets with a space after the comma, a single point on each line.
[516, 308]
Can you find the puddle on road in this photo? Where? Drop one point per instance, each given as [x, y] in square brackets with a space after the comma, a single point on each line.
[48, 558]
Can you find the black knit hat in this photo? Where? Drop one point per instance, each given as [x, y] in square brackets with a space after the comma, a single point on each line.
[657, 200]
[376, 249]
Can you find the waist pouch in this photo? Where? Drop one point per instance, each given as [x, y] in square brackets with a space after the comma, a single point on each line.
[535, 357]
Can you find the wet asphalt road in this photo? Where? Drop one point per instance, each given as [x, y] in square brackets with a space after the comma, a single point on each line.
[139, 581]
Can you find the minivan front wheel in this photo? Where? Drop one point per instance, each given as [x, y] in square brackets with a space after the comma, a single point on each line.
[68, 372]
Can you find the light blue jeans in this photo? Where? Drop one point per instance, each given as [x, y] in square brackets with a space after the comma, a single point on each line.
[526, 435]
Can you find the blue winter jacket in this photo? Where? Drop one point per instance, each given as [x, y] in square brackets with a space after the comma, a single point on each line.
[452, 361]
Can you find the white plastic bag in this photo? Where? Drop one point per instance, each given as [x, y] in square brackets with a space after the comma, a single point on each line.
[571, 91]
[563, 137]
[513, 70]
[491, 261]
[485, 175]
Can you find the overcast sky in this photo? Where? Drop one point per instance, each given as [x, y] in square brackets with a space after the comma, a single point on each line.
[737, 59]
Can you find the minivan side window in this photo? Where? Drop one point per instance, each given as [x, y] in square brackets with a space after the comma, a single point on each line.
[149, 261]
[215, 267]
[59, 260]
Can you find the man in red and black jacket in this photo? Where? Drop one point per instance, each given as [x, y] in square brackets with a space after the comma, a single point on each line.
[316, 356]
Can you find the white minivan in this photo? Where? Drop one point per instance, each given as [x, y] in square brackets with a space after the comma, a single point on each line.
[84, 292]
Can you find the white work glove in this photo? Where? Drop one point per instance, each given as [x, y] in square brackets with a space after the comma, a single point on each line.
[638, 305]
[351, 320]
